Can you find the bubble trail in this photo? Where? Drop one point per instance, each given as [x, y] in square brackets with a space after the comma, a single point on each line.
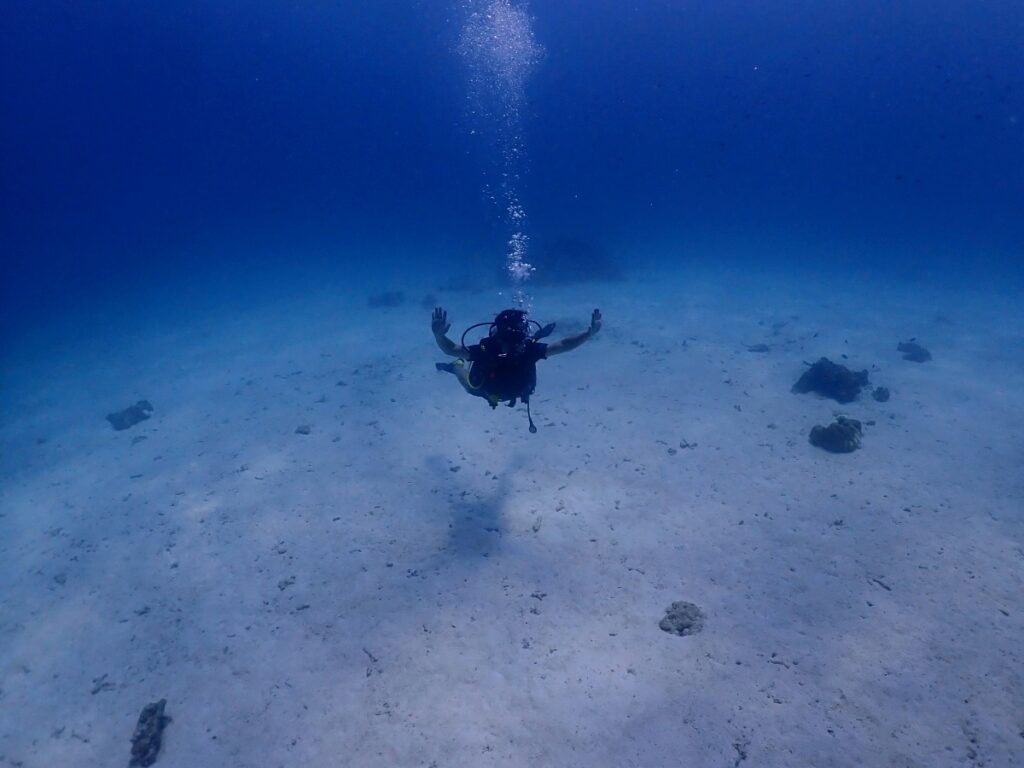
[498, 46]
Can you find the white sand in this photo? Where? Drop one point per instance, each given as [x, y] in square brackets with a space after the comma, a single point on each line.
[421, 582]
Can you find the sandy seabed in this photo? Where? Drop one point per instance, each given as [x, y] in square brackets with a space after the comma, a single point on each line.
[418, 581]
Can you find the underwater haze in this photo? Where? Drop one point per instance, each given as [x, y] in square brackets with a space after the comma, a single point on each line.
[143, 139]
[262, 502]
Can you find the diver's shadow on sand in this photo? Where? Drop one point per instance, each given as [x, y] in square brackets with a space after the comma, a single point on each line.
[475, 522]
[475, 527]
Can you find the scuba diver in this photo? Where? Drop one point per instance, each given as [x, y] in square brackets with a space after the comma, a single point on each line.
[503, 365]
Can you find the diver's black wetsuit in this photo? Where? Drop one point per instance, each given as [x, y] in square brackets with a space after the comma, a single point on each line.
[498, 376]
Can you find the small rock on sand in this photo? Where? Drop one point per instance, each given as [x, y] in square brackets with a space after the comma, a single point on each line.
[682, 618]
[149, 734]
[842, 436]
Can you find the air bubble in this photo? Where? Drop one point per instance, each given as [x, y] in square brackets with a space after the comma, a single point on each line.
[500, 52]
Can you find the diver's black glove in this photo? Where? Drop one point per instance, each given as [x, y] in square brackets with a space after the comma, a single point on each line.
[595, 322]
[439, 322]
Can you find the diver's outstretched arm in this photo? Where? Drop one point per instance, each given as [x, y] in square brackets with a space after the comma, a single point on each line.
[439, 325]
[571, 342]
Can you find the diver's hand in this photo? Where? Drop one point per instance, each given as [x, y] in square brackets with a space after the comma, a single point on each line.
[439, 322]
[595, 322]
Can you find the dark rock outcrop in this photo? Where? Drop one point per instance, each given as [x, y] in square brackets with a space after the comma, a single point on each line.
[386, 300]
[842, 436]
[566, 261]
[832, 380]
[913, 351]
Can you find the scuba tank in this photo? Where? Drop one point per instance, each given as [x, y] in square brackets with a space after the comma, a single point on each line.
[512, 327]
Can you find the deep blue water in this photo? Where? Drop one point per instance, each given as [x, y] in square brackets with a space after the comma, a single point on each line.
[147, 142]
